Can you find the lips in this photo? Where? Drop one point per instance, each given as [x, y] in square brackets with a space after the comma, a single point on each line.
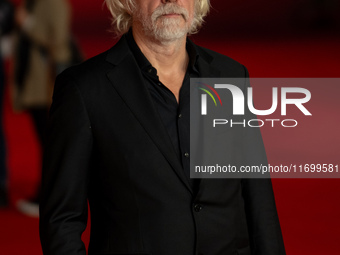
[172, 14]
[170, 10]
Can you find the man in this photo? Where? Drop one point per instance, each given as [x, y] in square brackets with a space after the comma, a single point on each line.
[118, 137]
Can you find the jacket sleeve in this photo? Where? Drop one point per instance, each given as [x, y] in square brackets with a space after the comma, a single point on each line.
[262, 219]
[65, 176]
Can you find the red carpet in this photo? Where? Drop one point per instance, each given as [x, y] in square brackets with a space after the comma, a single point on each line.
[308, 209]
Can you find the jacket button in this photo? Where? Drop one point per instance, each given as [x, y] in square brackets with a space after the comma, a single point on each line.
[198, 207]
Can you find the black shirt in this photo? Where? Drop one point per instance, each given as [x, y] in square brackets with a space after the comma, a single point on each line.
[174, 115]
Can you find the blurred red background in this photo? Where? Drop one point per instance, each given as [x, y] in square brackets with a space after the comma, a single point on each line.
[272, 39]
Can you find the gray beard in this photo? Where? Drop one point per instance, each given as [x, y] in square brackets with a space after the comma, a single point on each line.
[169, 30]
[163, 29]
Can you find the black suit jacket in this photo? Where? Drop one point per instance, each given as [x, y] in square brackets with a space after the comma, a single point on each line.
[107, 145]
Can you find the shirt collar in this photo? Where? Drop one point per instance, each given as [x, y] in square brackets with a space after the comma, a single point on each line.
[144, 63]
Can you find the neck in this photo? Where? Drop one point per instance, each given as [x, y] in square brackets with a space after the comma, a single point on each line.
[166, 57]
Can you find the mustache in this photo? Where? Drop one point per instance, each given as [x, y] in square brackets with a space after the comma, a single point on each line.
[170, 8]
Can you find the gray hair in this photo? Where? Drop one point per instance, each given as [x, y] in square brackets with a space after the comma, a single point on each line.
[121, 11]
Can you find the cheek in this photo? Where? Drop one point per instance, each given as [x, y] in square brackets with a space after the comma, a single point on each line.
[152, 6]
[144, 7]
[192, 8]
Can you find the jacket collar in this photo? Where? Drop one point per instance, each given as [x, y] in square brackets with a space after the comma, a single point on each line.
[204, 60]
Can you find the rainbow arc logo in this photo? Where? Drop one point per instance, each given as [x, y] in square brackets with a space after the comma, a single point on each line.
[204, 96]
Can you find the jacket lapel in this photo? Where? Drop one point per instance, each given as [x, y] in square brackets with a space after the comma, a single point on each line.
[127, 80]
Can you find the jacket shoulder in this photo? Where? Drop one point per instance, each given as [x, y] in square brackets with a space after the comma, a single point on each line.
[96, 68]
[88, 68]
[218, 57]
[88, 76]
[223, 63]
